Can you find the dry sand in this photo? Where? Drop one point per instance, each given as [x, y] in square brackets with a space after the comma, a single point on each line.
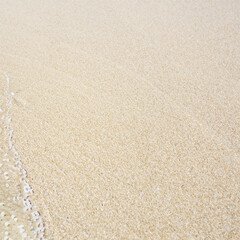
[125, 115]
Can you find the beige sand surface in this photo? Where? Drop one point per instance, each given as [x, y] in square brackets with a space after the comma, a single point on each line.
[126, 115]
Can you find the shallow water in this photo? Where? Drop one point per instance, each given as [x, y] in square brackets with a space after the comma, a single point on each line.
[19, 218]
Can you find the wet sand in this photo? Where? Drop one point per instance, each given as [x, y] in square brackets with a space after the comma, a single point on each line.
[20, 219]
[125, 116]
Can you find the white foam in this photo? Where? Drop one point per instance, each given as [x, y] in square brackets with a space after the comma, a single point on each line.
[39, 229]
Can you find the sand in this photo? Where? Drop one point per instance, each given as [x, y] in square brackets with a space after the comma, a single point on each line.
[125, 116]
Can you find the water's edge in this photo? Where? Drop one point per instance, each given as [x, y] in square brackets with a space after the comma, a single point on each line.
[21, 191]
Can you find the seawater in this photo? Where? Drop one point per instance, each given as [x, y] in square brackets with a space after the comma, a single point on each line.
[19, 218]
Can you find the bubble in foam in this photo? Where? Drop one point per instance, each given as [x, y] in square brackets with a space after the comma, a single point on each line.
[40, 228]
[35, 215]
[27, 188]
[3, 214]
[6, 175]
[7, 224]
[24, 172]
[27, 204]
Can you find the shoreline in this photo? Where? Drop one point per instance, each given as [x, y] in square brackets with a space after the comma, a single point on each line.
[24, 195]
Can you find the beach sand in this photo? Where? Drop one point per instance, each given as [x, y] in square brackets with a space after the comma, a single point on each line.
[125, 116]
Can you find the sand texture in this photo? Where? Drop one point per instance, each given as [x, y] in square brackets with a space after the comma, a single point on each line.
[125, 116]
